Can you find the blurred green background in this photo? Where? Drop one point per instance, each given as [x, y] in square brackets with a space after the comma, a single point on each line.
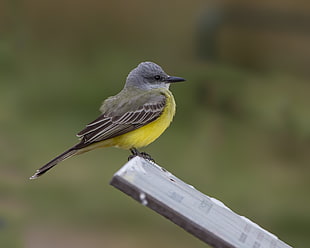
[241, 133]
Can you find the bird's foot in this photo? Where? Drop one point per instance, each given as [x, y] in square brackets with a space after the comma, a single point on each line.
[144, 155]
[147, 156]
[134, 152]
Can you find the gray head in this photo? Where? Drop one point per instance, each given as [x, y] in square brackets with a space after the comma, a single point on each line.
[148, 75]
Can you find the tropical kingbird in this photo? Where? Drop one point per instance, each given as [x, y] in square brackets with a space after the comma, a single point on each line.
[132, 119]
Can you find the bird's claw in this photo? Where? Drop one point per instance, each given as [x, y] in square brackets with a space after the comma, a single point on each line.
[144, 155]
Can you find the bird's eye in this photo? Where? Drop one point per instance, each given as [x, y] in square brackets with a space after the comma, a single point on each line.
[157, 77]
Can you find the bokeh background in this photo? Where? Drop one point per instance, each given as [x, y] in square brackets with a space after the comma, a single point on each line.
[241, 133]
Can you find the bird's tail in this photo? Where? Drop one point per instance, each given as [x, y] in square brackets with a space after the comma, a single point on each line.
[67, 154]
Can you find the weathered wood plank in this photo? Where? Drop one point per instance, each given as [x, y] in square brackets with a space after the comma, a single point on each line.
[203, 216]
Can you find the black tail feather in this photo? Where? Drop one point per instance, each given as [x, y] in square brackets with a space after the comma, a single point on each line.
[67, 154]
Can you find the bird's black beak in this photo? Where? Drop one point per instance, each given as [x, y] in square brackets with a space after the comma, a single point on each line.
[172, 79]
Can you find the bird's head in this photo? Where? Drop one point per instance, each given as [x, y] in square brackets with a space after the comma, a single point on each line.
[148, 75]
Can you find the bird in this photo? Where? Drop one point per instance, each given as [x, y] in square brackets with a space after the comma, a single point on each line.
[131, 119]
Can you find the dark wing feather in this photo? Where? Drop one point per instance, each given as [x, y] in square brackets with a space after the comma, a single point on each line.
[109, 125]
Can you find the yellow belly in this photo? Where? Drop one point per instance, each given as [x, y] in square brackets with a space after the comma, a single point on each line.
[150, 132]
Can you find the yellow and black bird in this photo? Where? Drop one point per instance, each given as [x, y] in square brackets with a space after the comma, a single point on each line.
[132, 119]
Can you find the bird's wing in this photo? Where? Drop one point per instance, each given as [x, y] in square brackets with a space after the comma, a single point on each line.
[122, 119]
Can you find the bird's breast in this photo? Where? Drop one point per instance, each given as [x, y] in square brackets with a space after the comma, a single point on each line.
[147, 134]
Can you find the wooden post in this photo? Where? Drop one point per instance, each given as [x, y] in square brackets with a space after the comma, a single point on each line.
[203, 216]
